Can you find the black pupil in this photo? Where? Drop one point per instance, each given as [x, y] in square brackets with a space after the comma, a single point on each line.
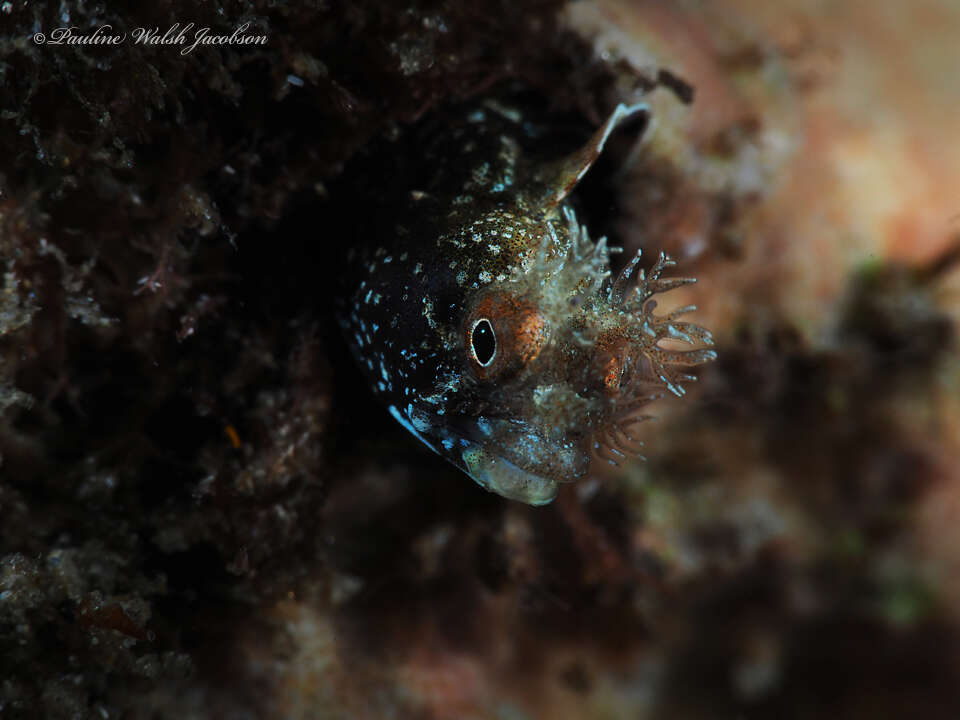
[484, 342]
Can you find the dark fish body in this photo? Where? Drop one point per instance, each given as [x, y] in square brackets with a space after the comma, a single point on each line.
[486, 319]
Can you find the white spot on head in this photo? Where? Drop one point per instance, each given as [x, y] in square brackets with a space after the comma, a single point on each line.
[428, 313]
[406, 423]
[420, 421]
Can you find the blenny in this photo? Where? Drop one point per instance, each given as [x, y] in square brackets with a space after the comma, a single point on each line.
[489, 322]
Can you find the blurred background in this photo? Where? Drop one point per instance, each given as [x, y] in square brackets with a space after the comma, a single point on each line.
[203, 511]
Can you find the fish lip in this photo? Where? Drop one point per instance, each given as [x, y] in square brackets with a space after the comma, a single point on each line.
[474, 431]
[475, 446]
[497, 474]
[509, 471]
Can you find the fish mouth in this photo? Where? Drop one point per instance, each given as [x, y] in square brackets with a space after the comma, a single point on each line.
[514, 459]
[497, 474]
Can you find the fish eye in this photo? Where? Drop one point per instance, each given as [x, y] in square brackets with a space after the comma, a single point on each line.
[483, 342]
